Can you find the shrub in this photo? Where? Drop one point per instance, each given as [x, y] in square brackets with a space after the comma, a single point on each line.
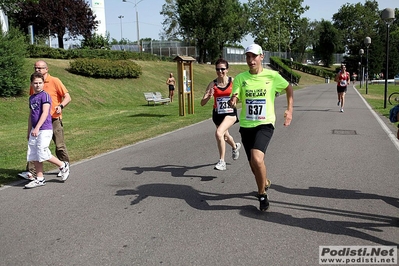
[12, 58]
[284, 68]
[104, 68]
[317, 71]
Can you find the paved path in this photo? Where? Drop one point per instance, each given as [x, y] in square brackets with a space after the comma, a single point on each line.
[159, 202]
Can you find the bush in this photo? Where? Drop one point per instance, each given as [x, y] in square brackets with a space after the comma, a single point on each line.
[12, 59]
[309, 69]
[104, 68]
[284, 68]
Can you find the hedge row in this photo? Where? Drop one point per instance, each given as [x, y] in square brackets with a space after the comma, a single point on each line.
[105, 68]
[317, 71]
[284, 68]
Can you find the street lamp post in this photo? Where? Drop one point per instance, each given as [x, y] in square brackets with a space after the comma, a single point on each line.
[137, 20]
[361, 52]
[388, 15]
[121, 17]
[367, 42]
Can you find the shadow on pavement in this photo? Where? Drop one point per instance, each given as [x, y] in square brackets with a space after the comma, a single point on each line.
[204, 201]
[348, 228]
[174, 170]
[196, 199]
[335, 193]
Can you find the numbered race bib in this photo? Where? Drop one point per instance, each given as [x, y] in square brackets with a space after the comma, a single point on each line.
[342, 83]
[223, 105]
[255, 109]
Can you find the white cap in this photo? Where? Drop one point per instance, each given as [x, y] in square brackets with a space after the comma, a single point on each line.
[254, 48]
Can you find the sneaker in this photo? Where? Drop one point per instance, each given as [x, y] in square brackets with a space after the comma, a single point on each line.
[27, 176]
[59, 174]
[35, 183]
[263, 202]
[341, 110]
[65, 171]
[339, 102]
[268, 184]
[236, 152]
[221, 165]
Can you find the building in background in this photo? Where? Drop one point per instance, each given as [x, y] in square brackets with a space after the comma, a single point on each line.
[98, 8]
[3, 21]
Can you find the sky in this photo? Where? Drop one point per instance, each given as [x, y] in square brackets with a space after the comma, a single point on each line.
[150, 21]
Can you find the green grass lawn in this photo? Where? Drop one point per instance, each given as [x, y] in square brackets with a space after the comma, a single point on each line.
[107, 114]
[375, 96]
[104, 114]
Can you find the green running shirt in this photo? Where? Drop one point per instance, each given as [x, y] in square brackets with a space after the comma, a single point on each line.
[257, 93]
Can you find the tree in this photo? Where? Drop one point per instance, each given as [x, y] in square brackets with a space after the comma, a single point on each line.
[171, 30]
[10, 6]
[357, 21]
[211, 24]
[302, 39]
[221, 32]
[96, 41]
[57, 18]
[393, 58]
[329, 41]
[273, 22]
[12, 58]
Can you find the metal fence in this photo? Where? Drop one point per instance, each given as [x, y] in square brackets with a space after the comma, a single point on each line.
[231, 54]
[160, 48]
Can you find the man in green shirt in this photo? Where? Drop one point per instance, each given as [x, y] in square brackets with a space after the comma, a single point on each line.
[256, 89]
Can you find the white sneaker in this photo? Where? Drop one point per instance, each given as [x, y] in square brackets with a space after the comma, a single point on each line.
[27, 176]
[221, 165]
[59, 174]
[236, 152]
[341, 110]
[36, 183]
[65, 171]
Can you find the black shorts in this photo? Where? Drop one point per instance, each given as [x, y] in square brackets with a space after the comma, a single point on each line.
[218, 118]
[341, 89]
[171, 87]
[256, 138]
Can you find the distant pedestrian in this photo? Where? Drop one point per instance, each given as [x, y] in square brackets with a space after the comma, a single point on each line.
[354, 77]
[171, 82]
[40, 132]
[257, 89]
[223, 115]
[343, 80]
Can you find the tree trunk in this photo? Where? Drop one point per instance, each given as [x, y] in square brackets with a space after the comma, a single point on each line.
[60, 41]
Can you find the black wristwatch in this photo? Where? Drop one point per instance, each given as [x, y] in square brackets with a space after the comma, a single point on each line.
[62, 107]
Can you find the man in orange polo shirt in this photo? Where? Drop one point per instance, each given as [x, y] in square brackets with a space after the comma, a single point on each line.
[60, 98]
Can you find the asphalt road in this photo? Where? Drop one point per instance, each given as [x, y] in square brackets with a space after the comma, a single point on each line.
[335, 181]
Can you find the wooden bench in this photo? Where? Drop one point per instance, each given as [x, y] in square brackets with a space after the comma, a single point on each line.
[155, 98]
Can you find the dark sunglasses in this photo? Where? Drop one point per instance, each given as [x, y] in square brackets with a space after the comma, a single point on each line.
[220, 69]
